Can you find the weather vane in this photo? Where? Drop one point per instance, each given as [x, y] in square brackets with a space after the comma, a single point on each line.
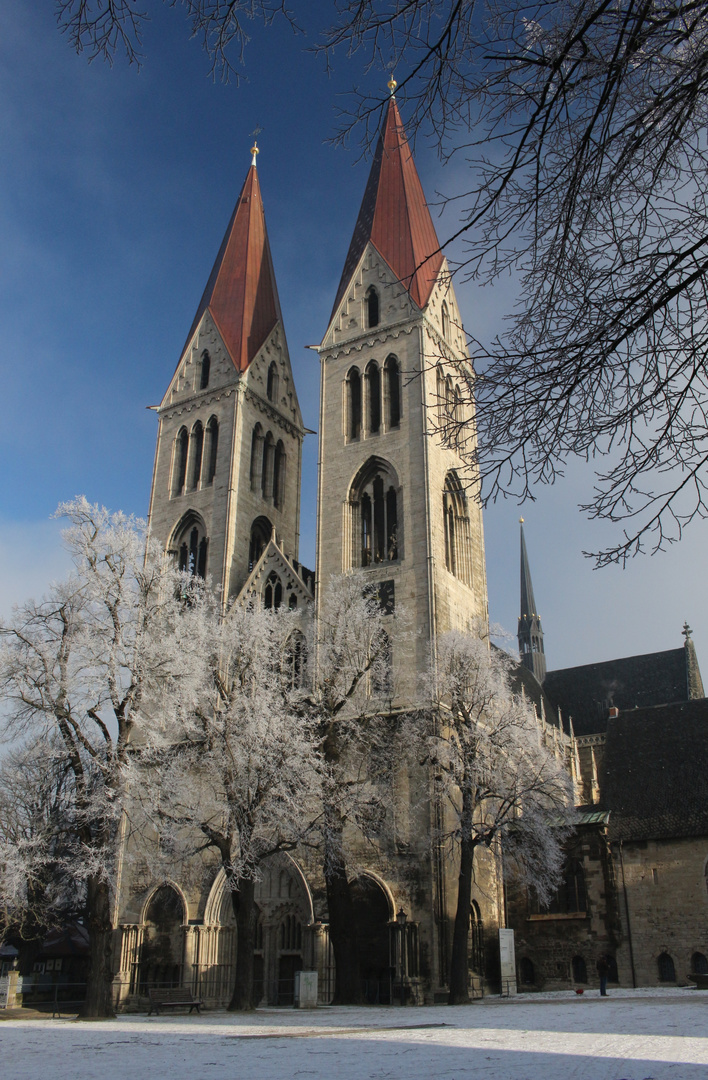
[254, 149]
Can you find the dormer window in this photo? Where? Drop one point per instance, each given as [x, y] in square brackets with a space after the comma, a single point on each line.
[372, 307]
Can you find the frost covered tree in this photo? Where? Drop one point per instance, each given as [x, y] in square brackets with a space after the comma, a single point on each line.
[236, 769]
[77, 670]
[350, 691]
[499, 784]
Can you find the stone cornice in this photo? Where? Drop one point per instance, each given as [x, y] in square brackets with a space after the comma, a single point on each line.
[369, 340]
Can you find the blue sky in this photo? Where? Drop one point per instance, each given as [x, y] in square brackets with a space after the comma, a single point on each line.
[115, 188]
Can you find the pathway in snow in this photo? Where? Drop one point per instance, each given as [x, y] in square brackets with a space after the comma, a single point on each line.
[640, 1035]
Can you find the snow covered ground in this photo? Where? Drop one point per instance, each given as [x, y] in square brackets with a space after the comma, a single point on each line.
[630, 1035]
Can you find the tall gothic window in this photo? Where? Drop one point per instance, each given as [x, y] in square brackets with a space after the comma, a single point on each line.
[212, 448]
[205, 369]
[375, 515]
[179, 467]
[476, 940]
[272, 384]
[372, 307]
[571, 895]
[392, 380]
[197, 441]
[456, 522]
[353, 403]
[261, 531]
[273, 593]
[382, 676]
[190, 545]
[268, 461]
[373, 392]
[256, 457]
[279, 475]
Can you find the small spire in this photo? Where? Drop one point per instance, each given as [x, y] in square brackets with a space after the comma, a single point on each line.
[254, 152]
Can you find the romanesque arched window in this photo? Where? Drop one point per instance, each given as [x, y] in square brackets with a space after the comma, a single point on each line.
[261, 532]
[372, 307]
[273, 592]
[267, 463]
[197, 452]
[179, 463]
[272, 384]
[211, 449]
[373, 394]
[445, 320]
[699, 964]
[353, 386]
[205, 370]
[279, 475]
[458, 539]
[376, 521]
[190, 544]
[392, 380]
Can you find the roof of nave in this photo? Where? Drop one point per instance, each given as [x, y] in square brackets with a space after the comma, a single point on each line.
[655, 772]
[241, 293]
[395, 217]
[586, 693]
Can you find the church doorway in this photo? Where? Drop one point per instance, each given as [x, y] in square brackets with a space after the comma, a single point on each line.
[162, 953]
[373, 917]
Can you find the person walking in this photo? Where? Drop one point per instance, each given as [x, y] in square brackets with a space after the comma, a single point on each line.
[603, 970]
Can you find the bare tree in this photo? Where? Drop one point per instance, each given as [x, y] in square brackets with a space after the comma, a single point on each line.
[350, 691]
[234, 770]
[76, 669]
[499, 783]
[583, 123]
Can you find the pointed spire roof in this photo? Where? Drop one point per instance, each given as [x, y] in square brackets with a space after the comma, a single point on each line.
[528, 603]
[241, 294]
[394, 216]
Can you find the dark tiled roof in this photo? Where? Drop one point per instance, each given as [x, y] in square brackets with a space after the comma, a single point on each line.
[586, 693]
[655, 773]
[395, 217]
[524, 681]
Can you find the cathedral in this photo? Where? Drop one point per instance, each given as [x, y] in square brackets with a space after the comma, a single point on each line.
[225, 502]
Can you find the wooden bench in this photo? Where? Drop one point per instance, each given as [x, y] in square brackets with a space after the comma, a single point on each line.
[701, 981]
[173, 998]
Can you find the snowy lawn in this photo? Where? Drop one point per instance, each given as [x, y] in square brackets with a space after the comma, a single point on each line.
[631, 1035]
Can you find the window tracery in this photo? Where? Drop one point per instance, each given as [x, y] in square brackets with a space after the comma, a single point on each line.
[179, 466]
[458, 539]
[376, 522]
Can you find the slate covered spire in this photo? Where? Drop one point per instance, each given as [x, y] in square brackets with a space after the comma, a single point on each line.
[241, 294]
[394, 216]
[530, 633]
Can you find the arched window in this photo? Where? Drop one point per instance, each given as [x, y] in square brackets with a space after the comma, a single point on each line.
[571, 895]
[667, 970]
[392, 377]
[382, 672]
[197, 441]
[273, 592]
[376, 524]
[205, 369]
[580, 969]
[372, 307]
[190, 545]
[290, 933]
[456, 522]
[261, 532]
[279, 475]
[476, 940]
[353, 403]
[272, 384]
[445, 319]
[268, 461]
[256, 457]
[292, 602]
[212, 448]
[527, 975]
[699, 964]
[373, 392]
[295, 659]
[179, 467]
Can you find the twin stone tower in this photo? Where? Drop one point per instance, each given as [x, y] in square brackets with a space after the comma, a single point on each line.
[225, 501]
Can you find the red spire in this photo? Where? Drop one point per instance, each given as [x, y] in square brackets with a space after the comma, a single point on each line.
[241, 294]
[395, 217]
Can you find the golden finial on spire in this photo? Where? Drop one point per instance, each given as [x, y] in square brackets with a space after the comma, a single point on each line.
[521, 521]
[254, 152]
[392, 84]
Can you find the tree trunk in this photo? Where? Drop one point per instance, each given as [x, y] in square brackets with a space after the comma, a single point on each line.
[99, 989]
[459, 973]
[244, 906]
[342, 919]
